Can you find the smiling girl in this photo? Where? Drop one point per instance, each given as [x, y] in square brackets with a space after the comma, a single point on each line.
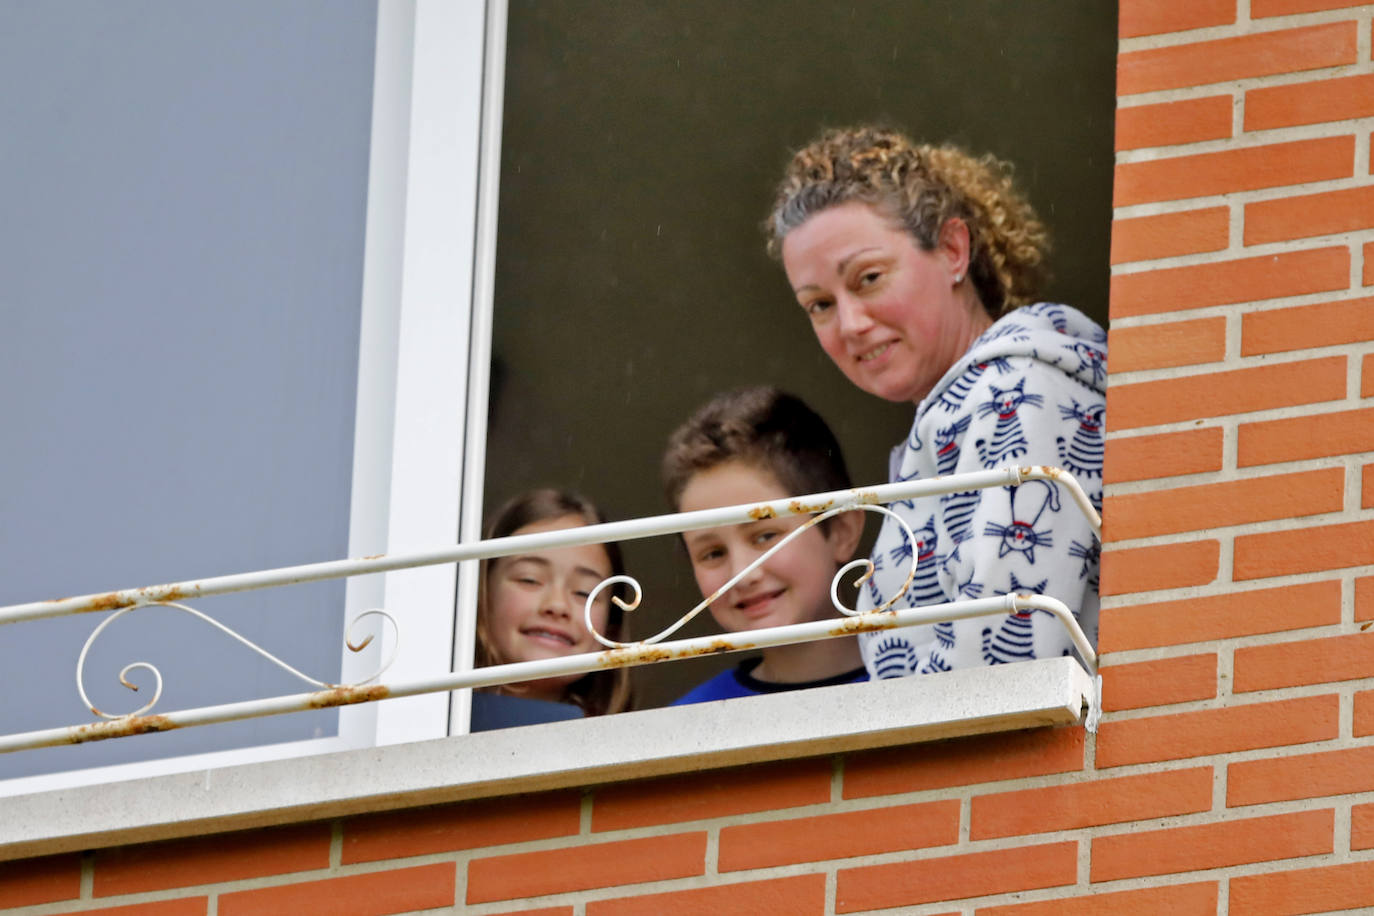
[530, 605]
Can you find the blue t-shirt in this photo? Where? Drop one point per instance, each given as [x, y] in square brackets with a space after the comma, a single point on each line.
[496, 710]
[740, 682]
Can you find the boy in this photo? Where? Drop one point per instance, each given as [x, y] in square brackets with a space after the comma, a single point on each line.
[754, 445]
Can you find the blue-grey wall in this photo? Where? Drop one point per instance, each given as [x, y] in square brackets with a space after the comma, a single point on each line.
[183, 187]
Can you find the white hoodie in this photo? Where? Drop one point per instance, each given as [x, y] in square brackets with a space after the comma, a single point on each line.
[1031, 390]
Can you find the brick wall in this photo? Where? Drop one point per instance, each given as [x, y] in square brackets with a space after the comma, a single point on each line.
[1234, 770]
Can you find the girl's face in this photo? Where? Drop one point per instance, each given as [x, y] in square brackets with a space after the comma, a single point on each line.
[535, 604]
[891, 315]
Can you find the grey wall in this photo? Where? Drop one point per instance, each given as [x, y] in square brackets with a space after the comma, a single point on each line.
[184, 187]
[641, 144]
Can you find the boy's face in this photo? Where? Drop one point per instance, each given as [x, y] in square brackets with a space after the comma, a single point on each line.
[792, 586]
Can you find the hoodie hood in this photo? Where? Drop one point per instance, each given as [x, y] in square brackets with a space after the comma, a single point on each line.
[1058, 335]
[1029, 391]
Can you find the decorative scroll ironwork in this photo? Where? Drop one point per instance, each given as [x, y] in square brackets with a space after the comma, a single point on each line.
[200, 615]
[819, 506]
[739, 576]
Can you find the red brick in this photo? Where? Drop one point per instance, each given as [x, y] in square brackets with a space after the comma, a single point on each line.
[1362, 826]
[1367, 363]
[1364, 714]
[1306, 215]
[1159, 682]
[1227, 616]
[1307, 661]
[1303, 327]
[1284, 553]
[1261, 54]
[801, 894]
[716, 793]
[1217, 731]
[400, 890]
[1091, 804]
[1153, 17]
[1145, 238]
[545, 911]
[1216, 505]
[1345, 432]
[1367, 487]
[1335, 99]
[1367, 271]
[579, 868]
[43, 880]
[1257, 782]
[1217, 394]
[963, 762]
[837, 836]
[1233, 842]
[186, 906]
[1270, 276]
[1307, 890]
[955, 877]
[1262, 8]
[1364, 598]
[211, 859]
[1227, 171]
[1176, 343]
[1175, 900]
[1170, 123]
[422, 831]
[1147, 569]
[1192, 451]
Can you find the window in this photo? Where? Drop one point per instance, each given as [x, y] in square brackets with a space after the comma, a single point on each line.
[640, 146]
[624, 233]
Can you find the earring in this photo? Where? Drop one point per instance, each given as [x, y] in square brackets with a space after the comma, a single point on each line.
[958, 278]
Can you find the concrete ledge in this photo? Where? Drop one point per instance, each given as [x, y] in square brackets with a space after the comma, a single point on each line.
[556, 755]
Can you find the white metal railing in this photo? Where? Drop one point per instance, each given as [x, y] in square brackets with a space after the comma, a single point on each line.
[653, 649]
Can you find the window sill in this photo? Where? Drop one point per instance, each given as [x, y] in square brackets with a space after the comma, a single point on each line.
[556, 755]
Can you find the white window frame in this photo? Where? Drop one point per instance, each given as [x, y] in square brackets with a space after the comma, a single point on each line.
[428, 280]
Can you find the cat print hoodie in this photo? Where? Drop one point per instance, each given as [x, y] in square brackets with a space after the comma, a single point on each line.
[1031, 390]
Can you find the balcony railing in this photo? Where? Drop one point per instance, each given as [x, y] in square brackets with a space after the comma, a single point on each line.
[651, 650]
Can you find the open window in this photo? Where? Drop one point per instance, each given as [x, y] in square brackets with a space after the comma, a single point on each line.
[639, 150]
[631, 151]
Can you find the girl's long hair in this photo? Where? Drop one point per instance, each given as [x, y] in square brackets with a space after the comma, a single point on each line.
[599, 692]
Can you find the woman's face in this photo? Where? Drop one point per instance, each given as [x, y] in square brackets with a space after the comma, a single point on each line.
[535, 604]
[892, 316]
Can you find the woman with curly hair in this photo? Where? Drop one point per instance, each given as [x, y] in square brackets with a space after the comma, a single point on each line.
[919, 268]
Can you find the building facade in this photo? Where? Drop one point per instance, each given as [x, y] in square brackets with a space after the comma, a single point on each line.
[1233, 770]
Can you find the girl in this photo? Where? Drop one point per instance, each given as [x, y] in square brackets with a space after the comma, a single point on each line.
[530, 606]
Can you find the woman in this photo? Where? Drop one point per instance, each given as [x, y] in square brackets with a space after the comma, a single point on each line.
[917, 265]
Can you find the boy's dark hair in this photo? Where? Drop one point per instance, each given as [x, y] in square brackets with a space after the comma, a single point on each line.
[763, 427]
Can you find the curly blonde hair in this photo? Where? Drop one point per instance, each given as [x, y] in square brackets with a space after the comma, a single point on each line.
[922, 187]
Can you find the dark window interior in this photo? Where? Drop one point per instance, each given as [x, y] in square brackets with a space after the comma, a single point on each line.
[641, 143]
